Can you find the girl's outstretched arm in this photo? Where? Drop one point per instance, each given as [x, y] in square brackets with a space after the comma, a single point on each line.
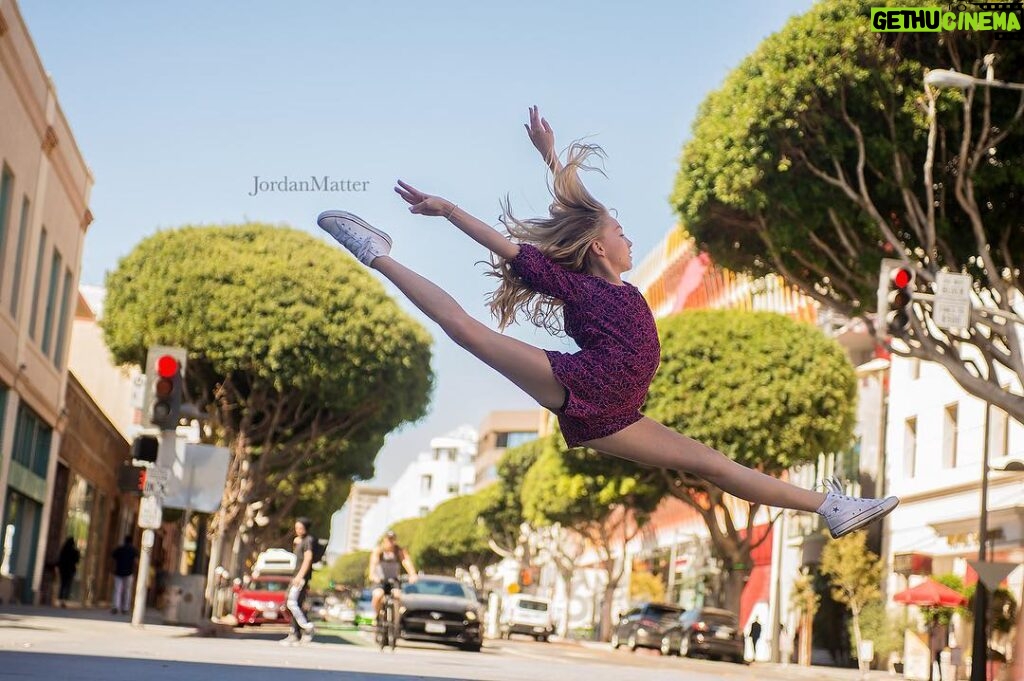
[543, 138]
[485, 235]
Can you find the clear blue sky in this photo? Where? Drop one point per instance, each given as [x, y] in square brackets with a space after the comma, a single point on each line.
[176, 106]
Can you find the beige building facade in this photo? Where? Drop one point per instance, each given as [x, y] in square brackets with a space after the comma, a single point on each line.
[501, 430]
[44, 214]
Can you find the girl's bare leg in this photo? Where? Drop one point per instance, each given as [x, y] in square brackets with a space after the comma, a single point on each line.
[651, 443]
[521, 363]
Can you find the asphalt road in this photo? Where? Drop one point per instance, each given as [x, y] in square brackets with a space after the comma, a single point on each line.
[92, 645]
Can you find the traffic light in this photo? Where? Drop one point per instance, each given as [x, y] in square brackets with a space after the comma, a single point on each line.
[900, 299]
[131, 479]
[145, 448]
[165, 411]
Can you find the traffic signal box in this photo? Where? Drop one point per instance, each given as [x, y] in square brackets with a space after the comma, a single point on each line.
[163, 393]
[900, 299]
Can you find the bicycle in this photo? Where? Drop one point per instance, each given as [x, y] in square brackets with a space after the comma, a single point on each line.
[387, 618]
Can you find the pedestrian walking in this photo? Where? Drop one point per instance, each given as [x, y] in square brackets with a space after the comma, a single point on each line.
[125, 557]
[302, 629]
[755, 635]
[563, 272]
[67, 566]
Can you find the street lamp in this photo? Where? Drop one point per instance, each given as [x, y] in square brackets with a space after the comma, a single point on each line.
[942, 78]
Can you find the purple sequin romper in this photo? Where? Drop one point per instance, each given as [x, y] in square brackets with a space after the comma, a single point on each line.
[606, 382]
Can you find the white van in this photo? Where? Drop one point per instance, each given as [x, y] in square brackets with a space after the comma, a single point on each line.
[526, 614]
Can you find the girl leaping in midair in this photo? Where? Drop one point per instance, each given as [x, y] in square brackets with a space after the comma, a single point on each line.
[571, 262]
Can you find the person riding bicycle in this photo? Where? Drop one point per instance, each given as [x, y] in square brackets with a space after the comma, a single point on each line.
[386, 563]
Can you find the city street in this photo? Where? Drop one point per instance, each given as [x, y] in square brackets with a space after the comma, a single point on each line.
[41, 643]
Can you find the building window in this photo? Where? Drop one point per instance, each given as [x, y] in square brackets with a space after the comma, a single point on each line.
[426, 483]
[515, 438]
[31, 441]
[6, 189]
[910, 446]
[37, 282]
[915, 368]
[62, 321]
[18, 256]
[950, 430]
[998, 433]
[51, 301]
[453, 489]
[424, 510]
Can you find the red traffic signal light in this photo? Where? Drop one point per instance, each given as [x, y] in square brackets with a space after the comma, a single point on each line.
[901, 299]
[901, 277]
[166, 366]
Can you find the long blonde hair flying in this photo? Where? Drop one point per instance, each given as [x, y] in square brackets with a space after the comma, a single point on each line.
[565, 237]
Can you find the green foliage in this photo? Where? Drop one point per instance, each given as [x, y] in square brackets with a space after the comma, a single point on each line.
[808, 162]
[945, 614]
[453, 535]
[854, 571]
[644, 586]
[766, 391]
[351, 569]
[409, 535]
[295, 350]
[579, 487]
[503, 515]
[885, 629]
[1002, 608]
[804, 599]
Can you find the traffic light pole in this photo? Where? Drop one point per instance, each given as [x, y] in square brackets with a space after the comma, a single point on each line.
[979, 647]
[165, 455]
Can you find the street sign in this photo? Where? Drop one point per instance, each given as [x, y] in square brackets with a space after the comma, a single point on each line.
[952, 306]
[138, 391]
[157, 480]
[992, 574]
[151, 513]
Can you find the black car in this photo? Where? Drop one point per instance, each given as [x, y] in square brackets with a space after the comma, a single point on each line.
[643, 626]
[709, 632]
[442, 610]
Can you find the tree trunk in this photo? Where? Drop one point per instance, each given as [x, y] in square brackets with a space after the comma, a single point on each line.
[733, 585]
[563, 623]
[806, 638]
[862, 664]
[606, 607]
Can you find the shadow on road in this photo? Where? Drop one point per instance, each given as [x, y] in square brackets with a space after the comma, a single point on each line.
[56, 666]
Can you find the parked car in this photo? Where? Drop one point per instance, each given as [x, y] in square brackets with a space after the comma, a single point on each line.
[261, 601]
[443, 610]
[365, 615]
[341, 610]
[528, 615]
[316, 607]
[643, 626]
[709, 632]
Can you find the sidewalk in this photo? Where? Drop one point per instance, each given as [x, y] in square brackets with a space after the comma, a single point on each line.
[775, 670]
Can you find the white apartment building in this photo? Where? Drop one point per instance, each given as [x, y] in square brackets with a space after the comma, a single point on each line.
[934, 442]
[347, 522]
[446, 471]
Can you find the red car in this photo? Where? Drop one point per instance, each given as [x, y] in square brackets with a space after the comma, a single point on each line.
[262, 601]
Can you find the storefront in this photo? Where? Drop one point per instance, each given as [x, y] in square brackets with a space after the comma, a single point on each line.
[23, 505]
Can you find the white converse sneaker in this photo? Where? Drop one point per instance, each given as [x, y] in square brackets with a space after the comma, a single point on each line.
[355, 234]
[844, 514]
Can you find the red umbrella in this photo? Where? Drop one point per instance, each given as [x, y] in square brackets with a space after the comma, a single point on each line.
[931, 593]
